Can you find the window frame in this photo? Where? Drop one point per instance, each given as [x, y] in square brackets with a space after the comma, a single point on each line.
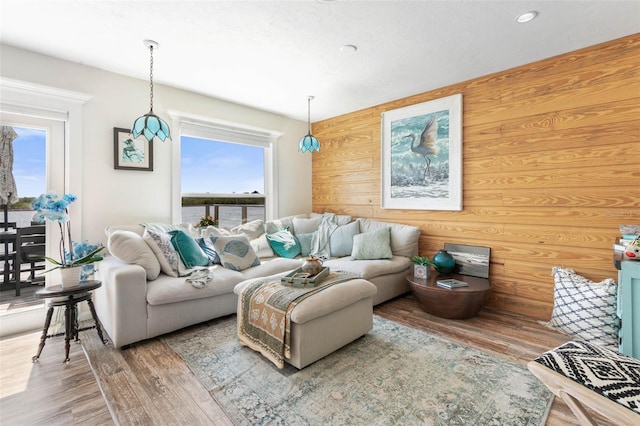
[185, 124]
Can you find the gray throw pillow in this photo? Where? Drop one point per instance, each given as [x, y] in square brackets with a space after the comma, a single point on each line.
[306, 243]
[372, 245]
[341, 240]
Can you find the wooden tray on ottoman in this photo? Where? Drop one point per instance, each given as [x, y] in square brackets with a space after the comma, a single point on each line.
[297, 278]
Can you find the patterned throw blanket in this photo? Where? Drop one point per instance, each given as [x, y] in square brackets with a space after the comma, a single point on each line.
[264, 319]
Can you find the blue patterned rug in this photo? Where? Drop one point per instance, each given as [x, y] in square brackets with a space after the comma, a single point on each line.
[393, 375]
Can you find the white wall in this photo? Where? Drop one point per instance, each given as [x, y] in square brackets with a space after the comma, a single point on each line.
[111, 197]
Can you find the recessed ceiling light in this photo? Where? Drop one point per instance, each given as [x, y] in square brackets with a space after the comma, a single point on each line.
[527, 17]
[348, 48]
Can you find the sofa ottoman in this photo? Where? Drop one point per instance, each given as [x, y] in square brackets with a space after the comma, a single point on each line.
[327, 320]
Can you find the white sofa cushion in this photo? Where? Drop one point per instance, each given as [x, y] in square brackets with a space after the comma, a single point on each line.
[305, 226]
[272, 266]
[167, 289]
[369, 269]
[129, 247]
[332, 299]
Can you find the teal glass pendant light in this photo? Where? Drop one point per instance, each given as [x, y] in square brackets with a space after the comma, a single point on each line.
[150, 125]
[309, 142]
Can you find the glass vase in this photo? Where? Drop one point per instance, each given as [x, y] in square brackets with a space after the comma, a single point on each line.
[444, 262]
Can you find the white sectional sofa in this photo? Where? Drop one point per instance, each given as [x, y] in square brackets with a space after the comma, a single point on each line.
[139, 300]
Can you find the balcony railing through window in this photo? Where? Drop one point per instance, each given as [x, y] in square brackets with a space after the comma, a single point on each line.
[228, 209]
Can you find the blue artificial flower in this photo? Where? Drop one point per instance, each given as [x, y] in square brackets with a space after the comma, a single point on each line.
[55, 209]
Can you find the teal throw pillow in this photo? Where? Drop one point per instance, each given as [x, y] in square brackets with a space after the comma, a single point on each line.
[284, 244]
[372, 245]
[188, 250]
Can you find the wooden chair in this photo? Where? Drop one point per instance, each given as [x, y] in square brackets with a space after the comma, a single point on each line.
[7, 240]
[30, 247]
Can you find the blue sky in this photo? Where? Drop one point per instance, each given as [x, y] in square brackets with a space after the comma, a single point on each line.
[207, 166]
[30, 162]
[219, 167]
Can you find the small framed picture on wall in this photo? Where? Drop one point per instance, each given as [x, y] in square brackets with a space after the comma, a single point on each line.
[130, 153]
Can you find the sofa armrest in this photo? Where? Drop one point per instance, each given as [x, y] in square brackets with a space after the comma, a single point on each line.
[121, 301]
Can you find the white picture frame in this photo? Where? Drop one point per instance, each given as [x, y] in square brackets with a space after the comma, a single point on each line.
[422, 156]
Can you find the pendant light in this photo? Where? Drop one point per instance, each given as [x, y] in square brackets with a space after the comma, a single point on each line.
[309, 142]
[150, 125]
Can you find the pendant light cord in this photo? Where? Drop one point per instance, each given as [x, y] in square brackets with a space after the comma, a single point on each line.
[309, 98]
[151, 79]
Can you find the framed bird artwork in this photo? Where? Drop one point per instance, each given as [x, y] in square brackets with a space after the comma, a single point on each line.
[422, 156]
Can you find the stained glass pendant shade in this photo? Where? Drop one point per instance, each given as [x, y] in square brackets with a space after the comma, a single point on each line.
[150, 125]
[309, 142]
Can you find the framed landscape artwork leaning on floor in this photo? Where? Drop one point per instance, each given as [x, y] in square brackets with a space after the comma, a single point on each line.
[470, 260]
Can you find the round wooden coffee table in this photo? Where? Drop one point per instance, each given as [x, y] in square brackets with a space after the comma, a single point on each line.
[456, 303]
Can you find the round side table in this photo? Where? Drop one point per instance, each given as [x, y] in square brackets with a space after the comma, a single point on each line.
[69, 298]
[456, 303]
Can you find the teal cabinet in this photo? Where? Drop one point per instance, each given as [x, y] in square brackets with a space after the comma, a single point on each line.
[629, 307]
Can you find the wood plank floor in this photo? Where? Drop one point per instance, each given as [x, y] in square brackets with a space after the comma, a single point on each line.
[148, 384]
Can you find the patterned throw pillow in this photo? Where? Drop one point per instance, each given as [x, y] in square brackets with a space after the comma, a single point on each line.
[161, 245]
[235, 252]
[585, 309]
[207, 247]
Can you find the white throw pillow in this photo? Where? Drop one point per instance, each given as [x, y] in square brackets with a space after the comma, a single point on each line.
[130, 248]
[585, 309]
[252, 229]
[214, 231]
[262, 247]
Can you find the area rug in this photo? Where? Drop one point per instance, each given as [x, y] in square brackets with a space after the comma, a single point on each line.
[393, 375]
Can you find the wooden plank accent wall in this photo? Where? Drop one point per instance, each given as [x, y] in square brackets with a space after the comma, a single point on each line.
[551, 168]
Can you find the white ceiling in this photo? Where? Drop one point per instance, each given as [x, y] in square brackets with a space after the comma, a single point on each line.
[272, 54]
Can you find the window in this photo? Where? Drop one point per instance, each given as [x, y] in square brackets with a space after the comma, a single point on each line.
[221, 179]
[248, 146]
